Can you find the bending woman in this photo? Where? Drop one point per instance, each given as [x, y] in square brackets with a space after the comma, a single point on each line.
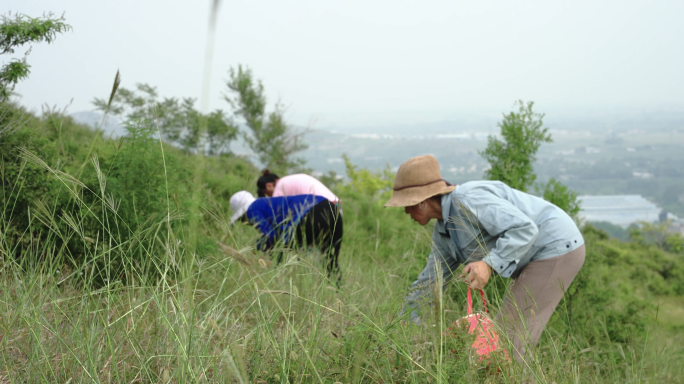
[269, 184]
[493, 228]
[306, 219]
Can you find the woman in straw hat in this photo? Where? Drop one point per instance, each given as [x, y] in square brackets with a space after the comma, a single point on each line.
[492, 228]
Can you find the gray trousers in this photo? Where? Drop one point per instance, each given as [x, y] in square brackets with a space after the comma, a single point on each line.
[533, 296]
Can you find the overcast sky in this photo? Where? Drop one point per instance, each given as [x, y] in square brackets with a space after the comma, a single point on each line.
[350, 63]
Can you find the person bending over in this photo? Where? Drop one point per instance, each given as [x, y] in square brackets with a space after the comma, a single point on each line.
[269, 184]
[294, 221]
[493, 228]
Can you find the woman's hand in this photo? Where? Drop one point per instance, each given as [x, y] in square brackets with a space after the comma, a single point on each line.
[477, 273]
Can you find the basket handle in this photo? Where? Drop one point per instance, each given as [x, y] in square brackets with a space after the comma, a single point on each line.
[470, 301]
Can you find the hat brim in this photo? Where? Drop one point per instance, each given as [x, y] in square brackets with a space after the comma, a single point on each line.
[241, 211]
[412, 196]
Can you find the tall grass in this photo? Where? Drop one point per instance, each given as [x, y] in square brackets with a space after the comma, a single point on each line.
[231, 314]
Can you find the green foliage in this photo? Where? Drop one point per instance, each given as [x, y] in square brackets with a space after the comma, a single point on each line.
[599, 305]
[330, 179]
[127, 190]
[130, 193]
[13, 72]
[511, 158]
[270, 137]
[23, 185]
[368, 184]
[11, 118]
[178, 120]
[226, 174]
[614, 231]
[19, 30]
[612, 297]
[561, 196]
[145, 181]
[657, 234]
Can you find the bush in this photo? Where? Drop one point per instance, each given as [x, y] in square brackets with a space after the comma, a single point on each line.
[23, 184]
[141, 178]
[367, 184]
[226, 174]
[105, 203]
[133, 192]
[561, 196]
[612, 295]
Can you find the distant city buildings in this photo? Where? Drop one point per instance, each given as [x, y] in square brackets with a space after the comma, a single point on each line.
[446, 136]
[624, 210]
[621, 210]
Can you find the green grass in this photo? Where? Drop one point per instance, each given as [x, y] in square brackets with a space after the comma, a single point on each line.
[178, 311]
[238, 319]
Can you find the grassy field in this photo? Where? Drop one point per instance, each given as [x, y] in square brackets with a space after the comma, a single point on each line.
[236, 317]
[121, 268]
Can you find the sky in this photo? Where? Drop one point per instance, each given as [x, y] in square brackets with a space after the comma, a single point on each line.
[336, 64]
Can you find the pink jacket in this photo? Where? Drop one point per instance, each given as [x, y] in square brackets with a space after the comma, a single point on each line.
[302, 184]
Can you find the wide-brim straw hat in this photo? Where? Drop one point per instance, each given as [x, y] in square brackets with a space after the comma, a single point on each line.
[239, 204]
[418, 179]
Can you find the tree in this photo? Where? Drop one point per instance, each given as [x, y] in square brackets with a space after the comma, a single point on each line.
[269, 136]
[19, 30]
[178, 120]
[560, 195]
[512, 156]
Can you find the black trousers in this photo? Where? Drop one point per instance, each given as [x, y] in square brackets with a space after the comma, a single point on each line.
[322, 227]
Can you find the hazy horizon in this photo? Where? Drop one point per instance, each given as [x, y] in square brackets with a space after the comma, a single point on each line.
[336, 65]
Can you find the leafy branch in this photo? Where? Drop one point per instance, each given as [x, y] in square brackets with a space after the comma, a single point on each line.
[270, 137]
[18, 30]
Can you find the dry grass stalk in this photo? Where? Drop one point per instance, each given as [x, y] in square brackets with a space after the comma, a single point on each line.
[234, 253]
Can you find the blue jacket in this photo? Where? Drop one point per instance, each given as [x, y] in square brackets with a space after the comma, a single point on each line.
[277, 217]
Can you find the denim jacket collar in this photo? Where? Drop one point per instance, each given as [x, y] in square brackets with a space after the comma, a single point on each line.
[447, 203]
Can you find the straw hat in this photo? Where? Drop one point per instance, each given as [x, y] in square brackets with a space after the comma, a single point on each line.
[417, 180]
[239, 203]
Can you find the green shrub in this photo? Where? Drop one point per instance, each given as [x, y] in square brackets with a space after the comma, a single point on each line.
[612, 295]
[226, 174]
[368, 184]
[658, 235]
[561, 196]
[110, 206]
[133, 191]
[23, 184]
[144, 180]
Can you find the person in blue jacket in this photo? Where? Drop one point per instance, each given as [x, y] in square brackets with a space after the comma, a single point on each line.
[492, 228]
[293, 221]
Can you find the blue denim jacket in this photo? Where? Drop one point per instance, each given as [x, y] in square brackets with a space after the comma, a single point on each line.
[489, 221]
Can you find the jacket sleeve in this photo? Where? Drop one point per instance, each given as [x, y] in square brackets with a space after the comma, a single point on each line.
[439, 262]
[516, 231]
